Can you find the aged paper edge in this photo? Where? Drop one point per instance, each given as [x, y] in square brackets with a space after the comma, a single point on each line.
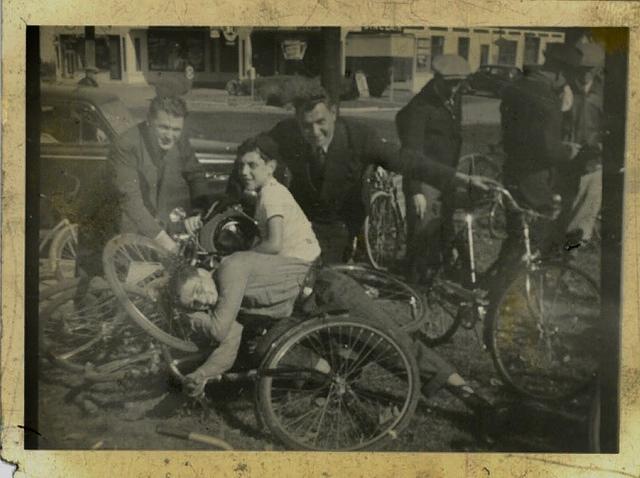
[18, 14]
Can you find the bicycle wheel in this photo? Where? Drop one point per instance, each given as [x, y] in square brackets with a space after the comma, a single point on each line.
[498, 221]
[90, 335]
[139, 263]
[338, 383]
[544, 331]
[401, 301]
[478, 164]
[383, 231]
[63, 252]
[442, 317]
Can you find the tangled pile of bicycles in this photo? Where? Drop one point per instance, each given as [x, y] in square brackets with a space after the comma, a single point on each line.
[541, 328]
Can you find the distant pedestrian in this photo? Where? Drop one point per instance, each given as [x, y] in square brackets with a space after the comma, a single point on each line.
[89, 78]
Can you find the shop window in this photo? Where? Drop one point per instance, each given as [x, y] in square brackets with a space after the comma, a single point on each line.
[422, 54]
[173, 50]
[437, 46]
[531, 50]
[463, 47]
[484, 54]
[229, 57]
[138, 49]
[507, 52]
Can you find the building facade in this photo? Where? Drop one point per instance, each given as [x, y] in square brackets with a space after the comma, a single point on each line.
[219, 54]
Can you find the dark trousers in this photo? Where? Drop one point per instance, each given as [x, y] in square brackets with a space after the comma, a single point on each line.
[430, 239]
[342, 291]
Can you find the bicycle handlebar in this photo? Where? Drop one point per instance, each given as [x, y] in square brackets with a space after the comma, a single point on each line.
[513, 205]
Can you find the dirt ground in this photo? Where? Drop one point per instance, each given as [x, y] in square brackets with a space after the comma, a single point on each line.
[79, 415]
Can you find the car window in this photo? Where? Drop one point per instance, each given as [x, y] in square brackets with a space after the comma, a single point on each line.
[118, 116]
[57, 124]
[71, 122]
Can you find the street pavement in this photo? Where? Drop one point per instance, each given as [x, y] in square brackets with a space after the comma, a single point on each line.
[476, 109]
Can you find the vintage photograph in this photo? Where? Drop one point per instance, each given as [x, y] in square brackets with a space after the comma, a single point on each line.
[324, 238]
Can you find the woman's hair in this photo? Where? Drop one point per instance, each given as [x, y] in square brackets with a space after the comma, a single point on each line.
[263, 144]
[179, 273]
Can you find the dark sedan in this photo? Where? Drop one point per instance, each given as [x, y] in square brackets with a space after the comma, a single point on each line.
[493, 78]
[77, 127]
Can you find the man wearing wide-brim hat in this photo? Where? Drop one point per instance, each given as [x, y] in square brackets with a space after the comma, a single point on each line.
[431, 124]
[531, 118]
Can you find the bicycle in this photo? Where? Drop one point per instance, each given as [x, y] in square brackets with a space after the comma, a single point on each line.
[61, 241]
[368, 395]
[83, 330]
[540, 324]
[384, 230]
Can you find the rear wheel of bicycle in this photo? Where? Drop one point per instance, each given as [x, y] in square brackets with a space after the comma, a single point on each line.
[545, 331]
[338, 383]
[398, 299]
[87, 333]
[383, 231]
[140, 264]
[63, 252]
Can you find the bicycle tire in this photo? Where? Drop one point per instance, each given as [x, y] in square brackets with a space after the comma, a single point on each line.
[478, 164]
[497, 221]
[388, 290]
[147, 256]
[346, 345]
[513, 346]
[383, 219]
[90, 336]
[441, 322]
[63, 252]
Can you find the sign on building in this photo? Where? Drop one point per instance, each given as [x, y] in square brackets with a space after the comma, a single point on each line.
[294, 49]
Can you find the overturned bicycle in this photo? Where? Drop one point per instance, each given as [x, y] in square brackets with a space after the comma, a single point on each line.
[325, 379]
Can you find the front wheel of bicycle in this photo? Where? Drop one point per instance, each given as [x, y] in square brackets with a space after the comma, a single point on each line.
[545, 331]
[478, 164]
[136, 269]
[63, 252]
[87, 333]
[401, 301]
[498, 221]
[383, 231]
[338, 383]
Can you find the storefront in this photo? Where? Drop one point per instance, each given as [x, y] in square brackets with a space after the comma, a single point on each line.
[145, 54]
[383, 54]
[280, 51]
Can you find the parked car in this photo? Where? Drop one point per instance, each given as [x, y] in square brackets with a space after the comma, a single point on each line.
[77, 127]
[492, 79]
[281, 90]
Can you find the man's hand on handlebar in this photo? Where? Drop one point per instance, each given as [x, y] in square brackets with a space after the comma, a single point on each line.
[481, 183]
[165, 241]
[193, 223]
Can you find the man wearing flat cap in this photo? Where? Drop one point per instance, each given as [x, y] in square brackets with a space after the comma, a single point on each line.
[431, 124]
[89, 78]
[531, 118]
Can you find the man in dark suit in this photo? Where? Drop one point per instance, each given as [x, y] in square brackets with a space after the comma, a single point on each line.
[327, 156]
